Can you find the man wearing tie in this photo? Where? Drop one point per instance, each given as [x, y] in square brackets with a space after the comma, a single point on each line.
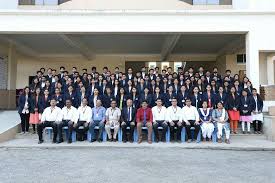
[144, 117]
[128, 120]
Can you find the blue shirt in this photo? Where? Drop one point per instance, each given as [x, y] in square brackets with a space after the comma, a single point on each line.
[98, 113]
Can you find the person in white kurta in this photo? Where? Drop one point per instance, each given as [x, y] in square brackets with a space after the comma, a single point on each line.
[207, 127]
[113, 114]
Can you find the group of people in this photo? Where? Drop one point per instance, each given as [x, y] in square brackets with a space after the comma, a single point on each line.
[199, 99]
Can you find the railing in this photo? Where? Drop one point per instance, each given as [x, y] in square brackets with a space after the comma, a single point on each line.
[41, 2]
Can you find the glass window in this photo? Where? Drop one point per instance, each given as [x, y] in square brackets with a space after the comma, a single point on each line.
[164, 65]
[177, 65]
[205, 2]
[152, 65]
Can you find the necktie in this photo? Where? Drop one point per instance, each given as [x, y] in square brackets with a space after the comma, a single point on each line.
[129, 114]
[144, 117]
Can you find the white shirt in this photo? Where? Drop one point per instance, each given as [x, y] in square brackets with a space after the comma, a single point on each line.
[85, 113]
[70, 114]
[159, 113]
[174, 114]
[52, 114]
[190, 113]
[113, 115]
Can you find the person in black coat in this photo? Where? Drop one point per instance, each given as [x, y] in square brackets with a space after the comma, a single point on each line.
[24, 103]
[257, 113]
[121, 98]
[169, 96]
[220, 97]
[59, 98]
[70, 94]
[94, 97]
[108, 98]
[157, 94]
[182, 96]
[36, 108]
[146, 96]
[247, 105]
[209, 96]
[128, 118]
[196, 99]
[135, 98]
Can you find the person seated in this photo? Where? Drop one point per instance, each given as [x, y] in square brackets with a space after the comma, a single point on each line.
[190, 118]
[159, 119]
[98, 119]
[220, 117]
[128, 118]
[144, 117]
[69, 118]
[85, 115]
[50, 118]
[207, 127]
[113, 114]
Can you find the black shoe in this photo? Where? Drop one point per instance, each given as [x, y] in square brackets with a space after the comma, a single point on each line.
[115, 140]
[124, 141]
[59, 141]
[69, 141]
[40, 141]
[93, 140]
[110, 140]
[54, 141]
[99, 140]
[244, 132]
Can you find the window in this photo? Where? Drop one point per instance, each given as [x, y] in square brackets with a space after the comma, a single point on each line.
[206, 2]
[177, 65]
[152, 65]
[164, 65]
[241, 58]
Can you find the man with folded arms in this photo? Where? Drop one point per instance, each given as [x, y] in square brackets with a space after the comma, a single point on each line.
[113, 114]
[50, 118]
[174, 118]
[98, 119]
[128, 118]
[191, 118]
[144, 117]
[159, 119]
[69, 118]
[85, 116]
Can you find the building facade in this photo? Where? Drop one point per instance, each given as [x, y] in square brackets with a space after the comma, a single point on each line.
[231, 34]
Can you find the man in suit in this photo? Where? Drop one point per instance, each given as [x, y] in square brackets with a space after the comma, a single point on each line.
[129, 75]
[128, 118]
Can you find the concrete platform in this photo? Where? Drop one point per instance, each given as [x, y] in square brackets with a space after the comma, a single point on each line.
[238, 143]
[9, 124]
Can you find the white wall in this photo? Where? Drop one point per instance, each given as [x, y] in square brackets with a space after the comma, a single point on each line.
[8, 4]
[254, 4]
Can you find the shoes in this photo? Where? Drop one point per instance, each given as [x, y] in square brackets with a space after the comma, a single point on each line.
[99, 140]
[93, 140]
[54, 141]
[40, 141]
[69, 141]
[139, 141]
[248, 132]
[124, 141]
[189, 141]
[227, 141]
[115, 140]
[219, 140]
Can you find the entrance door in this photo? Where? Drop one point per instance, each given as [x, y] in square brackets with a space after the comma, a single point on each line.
[135, 65]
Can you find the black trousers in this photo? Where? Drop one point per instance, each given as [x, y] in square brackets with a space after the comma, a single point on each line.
[25, 118]
[178, 131]
[41, 126]
[64, 123]
[81, 132]
[257, 125]
[124, 130]
[156, 131]
[188, 129]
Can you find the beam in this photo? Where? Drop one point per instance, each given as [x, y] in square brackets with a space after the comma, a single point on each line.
[20, 47]
[77, 44]
[169, 45]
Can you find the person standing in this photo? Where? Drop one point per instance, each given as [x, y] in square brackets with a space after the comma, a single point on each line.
[50, 118]
[220, 117]
[144, 117]
[159, 119]
[98, 119]
[257, 114]
[113, 114]
[69, 118]
[36, 109]
[191, 118]
[24, 103]
[233, 104]
[247, 104]
[128, 118]
[85, 116]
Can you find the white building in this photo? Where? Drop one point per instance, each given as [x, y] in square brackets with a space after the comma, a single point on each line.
[85, 33]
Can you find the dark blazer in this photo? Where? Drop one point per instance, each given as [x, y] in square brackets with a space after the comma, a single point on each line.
[233, 102]
[123, 83]
[148, 98]
[181, 97]
[45, 102]
[59, 100]
[118, 97]
[78, 96]
[168, 99]
[140, 88]
[21, 102]
[91, 100]
[219, 98]
[124, 114]
[196, 102]
[154, 98]
[72, 97]
[212, 98]
[259, 104]
[107, 100]
[246, 105]
[36, 104]
[136, 102]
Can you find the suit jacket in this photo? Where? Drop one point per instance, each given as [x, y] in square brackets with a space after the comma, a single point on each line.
[124, 99]
[222, 99]
[259, 104]
[59, 100]
[21, 102]
[91, 100]
[45, 102]
[148, 98]
[72, 97]
[233, 102]
[36, 104]
[107, 100]
[246, 106]
[124, 114]
[181, 97]
[212, 98]
[168, 99]
[196, 102]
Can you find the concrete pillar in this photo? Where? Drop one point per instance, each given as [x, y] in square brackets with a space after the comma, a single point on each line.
[12, 74]
[270, 69]
[252, 60]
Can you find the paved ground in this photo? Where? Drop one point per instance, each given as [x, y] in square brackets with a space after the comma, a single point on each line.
[105, 164]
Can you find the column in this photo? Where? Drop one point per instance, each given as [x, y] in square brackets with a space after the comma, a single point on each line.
[12, 74]
[270, 69]
[252, 60]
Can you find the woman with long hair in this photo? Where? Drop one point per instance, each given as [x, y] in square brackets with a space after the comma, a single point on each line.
[233, 104]
[36, 109]
[24, 109]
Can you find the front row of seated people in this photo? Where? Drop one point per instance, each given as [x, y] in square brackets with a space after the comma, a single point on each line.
[174, 117]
